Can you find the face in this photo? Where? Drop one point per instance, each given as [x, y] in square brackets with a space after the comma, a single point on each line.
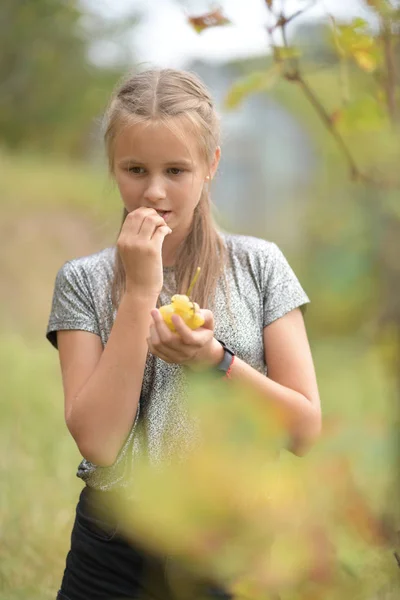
[154, 168]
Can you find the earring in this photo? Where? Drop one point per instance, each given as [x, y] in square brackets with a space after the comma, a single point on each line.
[207, 178]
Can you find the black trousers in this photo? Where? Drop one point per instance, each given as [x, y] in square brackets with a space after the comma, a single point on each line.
[102, 565]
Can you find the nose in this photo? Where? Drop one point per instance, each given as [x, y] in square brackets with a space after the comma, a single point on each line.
[155, 189]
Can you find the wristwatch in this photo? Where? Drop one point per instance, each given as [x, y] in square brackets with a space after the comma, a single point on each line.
[227, 360]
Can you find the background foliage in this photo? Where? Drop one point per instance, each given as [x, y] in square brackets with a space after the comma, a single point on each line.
[340, 82]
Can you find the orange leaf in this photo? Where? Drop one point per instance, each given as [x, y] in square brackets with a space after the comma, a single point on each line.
[211, 19]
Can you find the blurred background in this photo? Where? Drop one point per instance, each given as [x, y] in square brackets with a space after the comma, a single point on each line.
[316, 172]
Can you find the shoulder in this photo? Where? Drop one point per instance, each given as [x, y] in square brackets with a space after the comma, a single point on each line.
[91, 267]
[250, 250]
[103, 259]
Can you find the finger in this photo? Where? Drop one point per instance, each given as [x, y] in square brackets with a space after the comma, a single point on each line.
[154, 337]
[160, 233]
[153, 350]
[150, 223]
[208, 319]
[135, 218]
[186, 334]
[157, 352]
[167, 337]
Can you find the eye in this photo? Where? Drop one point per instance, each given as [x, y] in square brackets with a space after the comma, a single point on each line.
[135, 170]
[175, 171]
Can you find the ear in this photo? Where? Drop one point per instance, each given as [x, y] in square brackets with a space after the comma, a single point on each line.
[215, 162]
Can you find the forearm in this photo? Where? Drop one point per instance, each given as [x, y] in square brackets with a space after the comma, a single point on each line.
[293, 410]
[103, 412]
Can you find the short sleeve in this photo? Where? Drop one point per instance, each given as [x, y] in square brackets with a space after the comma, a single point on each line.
[72, 306]
[282, 291]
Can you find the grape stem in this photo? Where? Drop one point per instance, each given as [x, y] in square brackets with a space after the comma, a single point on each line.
[191, 286]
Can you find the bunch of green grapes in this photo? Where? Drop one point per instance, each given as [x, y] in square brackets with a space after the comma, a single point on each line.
[182, 305]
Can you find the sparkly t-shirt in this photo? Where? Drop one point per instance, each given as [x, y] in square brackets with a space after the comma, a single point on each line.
[262, 288]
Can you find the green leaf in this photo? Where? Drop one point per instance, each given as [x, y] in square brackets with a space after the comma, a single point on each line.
[258, 81]
[355, 42]
[365, 114]
[355, 35]
[359, 23]
[286, 52]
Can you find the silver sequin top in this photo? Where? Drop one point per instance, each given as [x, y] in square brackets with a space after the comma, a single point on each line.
[263, 288]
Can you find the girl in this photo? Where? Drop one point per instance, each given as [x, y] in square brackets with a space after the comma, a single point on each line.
[120, 363]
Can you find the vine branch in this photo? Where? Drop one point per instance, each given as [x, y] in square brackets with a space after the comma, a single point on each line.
[294, 74]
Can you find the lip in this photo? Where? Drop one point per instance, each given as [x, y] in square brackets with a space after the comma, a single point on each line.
[166, 214]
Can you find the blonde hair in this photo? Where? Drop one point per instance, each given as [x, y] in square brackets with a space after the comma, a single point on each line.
[162, 95]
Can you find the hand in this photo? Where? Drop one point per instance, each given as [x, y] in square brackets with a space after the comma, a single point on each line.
[193, 348]
[139, 245]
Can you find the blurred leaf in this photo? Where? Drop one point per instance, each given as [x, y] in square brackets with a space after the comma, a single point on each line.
[366, 60]
[382, 7]
[238, 514]
[359, 23]
[355, 41]
[211, 19]
[282, 53]
[364, 114]
[373, 3]
[269, 3]
[259, 81]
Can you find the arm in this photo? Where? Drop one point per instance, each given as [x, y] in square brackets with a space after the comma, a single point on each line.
[102, 388]
[291, 386]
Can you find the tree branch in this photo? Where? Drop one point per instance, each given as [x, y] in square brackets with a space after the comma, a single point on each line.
[326, 118]
[298, 13]
[295, 75]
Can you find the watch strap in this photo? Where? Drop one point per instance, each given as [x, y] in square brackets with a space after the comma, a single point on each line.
[227, 359]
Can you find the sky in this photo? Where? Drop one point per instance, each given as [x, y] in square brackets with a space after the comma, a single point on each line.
[164, 38]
